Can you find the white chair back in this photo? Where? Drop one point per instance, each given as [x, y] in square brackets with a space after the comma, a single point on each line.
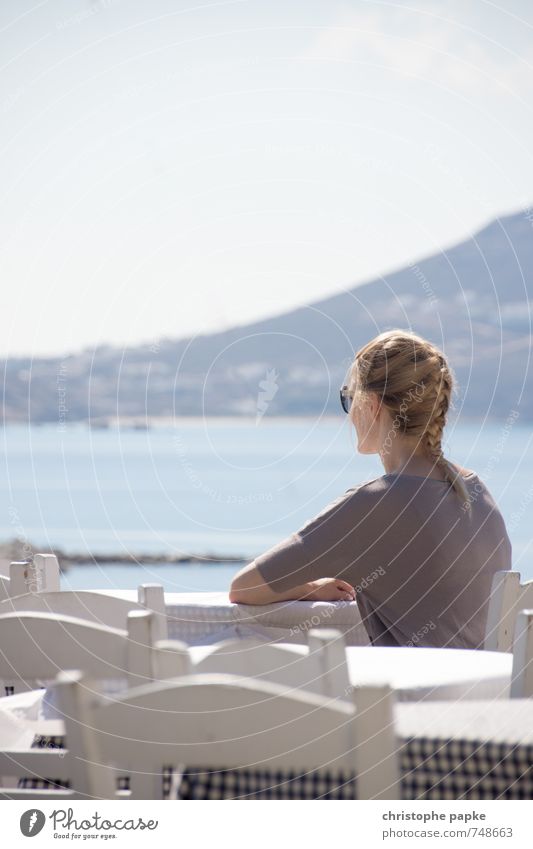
[508, 598]
[321, 669]
[38, 764]
[96, 607]
[522, 674]
[41, 574]
[36, 646]
[212, 720]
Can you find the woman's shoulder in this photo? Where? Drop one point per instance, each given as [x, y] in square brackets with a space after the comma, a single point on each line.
[373, 489]
[465, 473]
[342, 507]
[368, 488]
[354, 493]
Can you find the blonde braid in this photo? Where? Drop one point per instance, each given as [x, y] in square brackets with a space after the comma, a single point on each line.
[433, 433]
[411, 378]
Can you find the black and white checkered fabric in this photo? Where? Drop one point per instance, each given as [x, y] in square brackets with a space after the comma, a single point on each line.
[430, 768]
[35, 783]
[466, 769]
[265, 784]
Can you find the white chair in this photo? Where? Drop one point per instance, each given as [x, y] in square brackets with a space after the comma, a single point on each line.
[93, 606]
[41, 574]
[36, 646]
[449, 750]
[322, 669]
[206, 721]
[55, 764]
[522, 674]
[508, 597]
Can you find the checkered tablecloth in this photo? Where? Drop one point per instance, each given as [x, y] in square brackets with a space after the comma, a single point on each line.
[470, 750]
[431, 769]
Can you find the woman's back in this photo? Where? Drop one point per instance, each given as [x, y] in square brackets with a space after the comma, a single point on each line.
[420, 560]
[419, 545]
[441, 574]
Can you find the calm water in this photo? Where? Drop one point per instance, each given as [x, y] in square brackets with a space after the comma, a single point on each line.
[217, 486]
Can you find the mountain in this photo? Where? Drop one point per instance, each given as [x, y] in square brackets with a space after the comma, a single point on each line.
[472, 299]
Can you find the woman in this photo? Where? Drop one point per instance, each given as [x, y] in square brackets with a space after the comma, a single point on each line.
[418, 545]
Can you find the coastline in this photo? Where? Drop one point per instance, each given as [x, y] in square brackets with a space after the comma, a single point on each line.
[18, 550]
[154, 422]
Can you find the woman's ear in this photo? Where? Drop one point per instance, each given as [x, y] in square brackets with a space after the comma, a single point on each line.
[374, 406]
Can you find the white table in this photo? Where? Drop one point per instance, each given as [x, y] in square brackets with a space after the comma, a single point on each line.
[426, 673]
[420, 674]
[415, 674]
[205, 618]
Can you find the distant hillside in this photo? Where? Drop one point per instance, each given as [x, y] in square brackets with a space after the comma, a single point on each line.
[473, 300]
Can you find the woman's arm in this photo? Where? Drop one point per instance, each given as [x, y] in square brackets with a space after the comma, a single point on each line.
[248, 587]
[332, 543]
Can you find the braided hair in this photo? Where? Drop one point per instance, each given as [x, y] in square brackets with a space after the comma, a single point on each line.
[413, 381]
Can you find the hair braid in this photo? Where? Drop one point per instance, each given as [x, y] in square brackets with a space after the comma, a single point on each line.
[413, 380]
[442, 389]
[443, 385]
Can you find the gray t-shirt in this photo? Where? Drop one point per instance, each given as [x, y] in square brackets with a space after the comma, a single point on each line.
[421, 565]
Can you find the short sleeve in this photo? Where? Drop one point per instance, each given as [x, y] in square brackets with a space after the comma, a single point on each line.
[325, 547]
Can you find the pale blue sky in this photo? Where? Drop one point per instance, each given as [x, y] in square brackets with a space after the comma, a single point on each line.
[170, 168]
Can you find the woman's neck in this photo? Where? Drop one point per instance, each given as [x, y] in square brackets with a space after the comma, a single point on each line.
[409, 460]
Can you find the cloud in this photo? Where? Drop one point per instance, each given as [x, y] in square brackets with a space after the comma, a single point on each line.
[426, 46]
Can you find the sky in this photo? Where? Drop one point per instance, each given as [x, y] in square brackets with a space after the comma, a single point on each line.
[175, 167]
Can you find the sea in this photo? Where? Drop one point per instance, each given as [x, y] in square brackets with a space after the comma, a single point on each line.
[217, 488]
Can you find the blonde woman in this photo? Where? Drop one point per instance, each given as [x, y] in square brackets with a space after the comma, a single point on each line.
[419, 545]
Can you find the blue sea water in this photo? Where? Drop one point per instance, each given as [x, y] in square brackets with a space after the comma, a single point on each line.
[224, 486]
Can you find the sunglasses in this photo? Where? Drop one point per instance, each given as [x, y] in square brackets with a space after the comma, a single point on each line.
[346, 399]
